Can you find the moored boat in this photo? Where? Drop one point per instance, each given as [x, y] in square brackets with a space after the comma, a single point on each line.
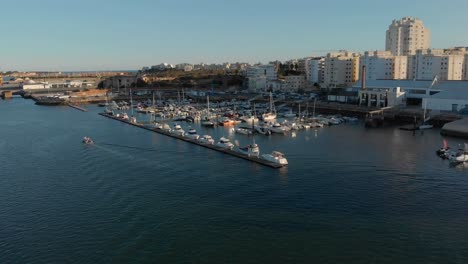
[206, 139]
[177, 130]
[192, 134]
[225, 143]
[276, 157]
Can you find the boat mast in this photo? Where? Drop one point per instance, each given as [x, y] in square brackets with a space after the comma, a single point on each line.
[131, 101]
[271, 103]
[313, 113]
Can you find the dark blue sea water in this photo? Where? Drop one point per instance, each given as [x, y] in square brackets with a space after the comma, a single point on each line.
[349, 195]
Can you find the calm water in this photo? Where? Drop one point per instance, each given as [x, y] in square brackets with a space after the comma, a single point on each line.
[350, 195]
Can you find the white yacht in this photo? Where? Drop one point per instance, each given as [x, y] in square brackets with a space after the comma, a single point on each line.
[243, 131]
[461, 156]
[250, 150]
[178, 130]
[166, 128]
[276, 157]
[248, 119]
[192, 134]
[206, 139]
[278, 128]
[270, 116]
[207, 122]
[225, 143]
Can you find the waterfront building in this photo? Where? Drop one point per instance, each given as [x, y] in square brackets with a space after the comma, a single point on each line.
[453, 97]
[384, 65]
[275, 85]
[406, 36]
[374, 97]
[341, 69]
[32, 85]
[257, 84]
[315, 70]
[436, 95]
[292, 83]
[443, 64]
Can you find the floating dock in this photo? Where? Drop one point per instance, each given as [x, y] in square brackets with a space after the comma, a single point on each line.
[77, 107]
[195, 142]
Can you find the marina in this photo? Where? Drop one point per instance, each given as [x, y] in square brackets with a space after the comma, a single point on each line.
[141, 189]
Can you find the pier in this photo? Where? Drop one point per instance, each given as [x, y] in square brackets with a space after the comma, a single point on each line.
[77, 107]
[195, 142]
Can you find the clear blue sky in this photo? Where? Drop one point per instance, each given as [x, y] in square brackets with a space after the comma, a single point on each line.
[122, 34]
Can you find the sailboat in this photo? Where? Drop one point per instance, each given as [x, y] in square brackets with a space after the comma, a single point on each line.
[132, 118]
[424, 125]
[107, 110]
[252, 149]
[270, 116]
[206, 119]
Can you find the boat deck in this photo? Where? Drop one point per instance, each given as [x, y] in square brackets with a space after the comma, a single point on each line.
[209, 146]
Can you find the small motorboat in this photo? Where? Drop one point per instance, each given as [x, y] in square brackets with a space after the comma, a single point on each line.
[87, 141]
[243, 131]
[250, 150]
[206, 139]
[276, 157]
[178, 130]
[225, 143]
[192, 134]
[207, 123]
[444, 152]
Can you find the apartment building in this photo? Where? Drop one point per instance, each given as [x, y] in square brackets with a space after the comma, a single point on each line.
[406, 36]
[341, 69]
[382, 65]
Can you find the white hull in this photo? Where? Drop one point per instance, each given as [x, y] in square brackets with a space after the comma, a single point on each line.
[206, 140]
[424, 127]
[275, 159]
[269, 117]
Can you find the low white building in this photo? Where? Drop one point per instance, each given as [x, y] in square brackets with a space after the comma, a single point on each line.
[453, 97]
[257, 84]
[275, 85]
[382, 97]
[435, 95]
[268, 71]
[32, 85]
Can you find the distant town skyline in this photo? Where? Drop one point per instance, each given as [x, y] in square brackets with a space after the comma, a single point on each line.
[90, 35]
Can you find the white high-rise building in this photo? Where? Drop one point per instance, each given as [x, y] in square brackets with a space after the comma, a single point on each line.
[382, 65]
[341, 69]
[406, 36]
[315, 70]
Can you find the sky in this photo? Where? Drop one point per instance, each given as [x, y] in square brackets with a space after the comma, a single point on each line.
[88, 35]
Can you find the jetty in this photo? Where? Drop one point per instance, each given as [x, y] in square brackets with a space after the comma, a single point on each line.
[77, 107]
[457, 128]
[195, 142]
